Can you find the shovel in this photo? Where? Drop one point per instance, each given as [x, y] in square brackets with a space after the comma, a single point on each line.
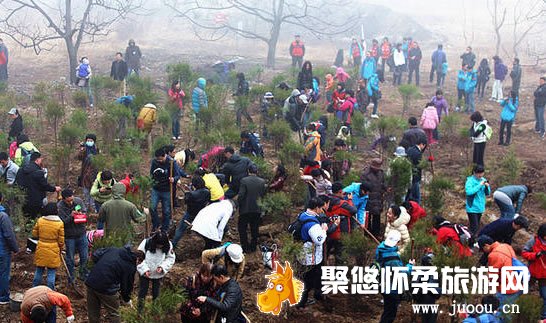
[70, 278]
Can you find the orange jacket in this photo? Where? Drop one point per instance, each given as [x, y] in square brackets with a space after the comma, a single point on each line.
[43, 295]
[501, 255]
[297, 49]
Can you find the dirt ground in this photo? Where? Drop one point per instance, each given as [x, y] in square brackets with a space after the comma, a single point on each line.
[450, 160]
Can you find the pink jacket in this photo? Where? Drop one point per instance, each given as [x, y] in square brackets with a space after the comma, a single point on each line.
[341, 75]
[429, 118]
[177, 97]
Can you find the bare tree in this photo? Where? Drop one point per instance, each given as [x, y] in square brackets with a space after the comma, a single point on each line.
[465, 36]
[271, 16]
[526, 18]
[498, 19]
[37, 24]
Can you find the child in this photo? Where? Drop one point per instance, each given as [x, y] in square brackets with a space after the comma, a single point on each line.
[83, 74]
[430, 121]
[159, 259]
[329, 87]
[345, 111]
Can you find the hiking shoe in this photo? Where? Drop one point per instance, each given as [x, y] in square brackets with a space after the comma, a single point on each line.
[178, 138]
[173, 138]
[374, 116]
[543, 135]
[310, 301]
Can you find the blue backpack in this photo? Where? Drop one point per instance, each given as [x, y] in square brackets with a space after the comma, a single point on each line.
[518, 263]
[83, 70]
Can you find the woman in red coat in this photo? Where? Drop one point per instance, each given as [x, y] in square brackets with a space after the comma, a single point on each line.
[416, 212]
[446, 235]
[535, 252]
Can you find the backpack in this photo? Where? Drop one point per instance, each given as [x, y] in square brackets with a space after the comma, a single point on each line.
[488, 132]
[25, 154]
[82, 70]
[518, 263]
[463, 232]
[256, 137]
[296, 227]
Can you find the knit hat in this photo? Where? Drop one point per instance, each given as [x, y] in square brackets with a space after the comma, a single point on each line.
[235, 253]
[393, 237]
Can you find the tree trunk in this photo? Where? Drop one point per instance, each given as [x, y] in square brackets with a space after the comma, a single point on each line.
[72, 60]
[271, 51]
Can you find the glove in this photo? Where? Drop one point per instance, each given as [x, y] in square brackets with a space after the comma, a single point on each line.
[70, 319]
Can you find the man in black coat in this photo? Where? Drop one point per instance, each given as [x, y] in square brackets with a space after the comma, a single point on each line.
[229, 307]
[414, 62]
[503, 229]
[235, 169]
[415, 154]
[468, 58]
[32, 178]
[412, 135]
[251, 190]
[539, 103]
[113, 272]
[119, 68]
[133, 56]
[375, 177]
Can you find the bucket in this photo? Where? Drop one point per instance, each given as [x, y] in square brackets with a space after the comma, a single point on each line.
[15, 300]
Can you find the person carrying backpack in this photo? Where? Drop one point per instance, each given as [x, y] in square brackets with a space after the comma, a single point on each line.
[24, 150]
[447, 235]
[480, 133]
[83, 77]
[534, 251]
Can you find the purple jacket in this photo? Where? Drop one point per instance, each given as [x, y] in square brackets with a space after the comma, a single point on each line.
[441, 105]
[500, 70]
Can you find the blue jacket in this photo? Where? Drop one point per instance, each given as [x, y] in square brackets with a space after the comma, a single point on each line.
[358, 201]
[373, 84]
[517, 194]
[199, 97]
[461, 79]
[475, 194]
[8, 241]
[313, 220]
[509, 109]
[389, 257]
[471, 81]
[438, 58]
[368, 68]
[500, 230]
[484, 318]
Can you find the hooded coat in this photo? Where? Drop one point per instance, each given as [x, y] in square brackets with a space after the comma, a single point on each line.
[368, 67]
[199, 99]
[148, 114]
[509, 109]
[133, 55]
[400, 224]
[49, 230]
[32, 178]
[211, 220]
[117, 213]
[312, 147]
[537, 266]
[235, 169]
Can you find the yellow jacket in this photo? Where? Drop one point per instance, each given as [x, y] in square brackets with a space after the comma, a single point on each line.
[148, 114]
[28, 146]
[50, 233]
[213, 185]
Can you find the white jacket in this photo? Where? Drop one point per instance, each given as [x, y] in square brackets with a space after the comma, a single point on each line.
[312, 250]
[399, 58]
[400, 225]
[481, 137]
[153, 260]
[211, 220]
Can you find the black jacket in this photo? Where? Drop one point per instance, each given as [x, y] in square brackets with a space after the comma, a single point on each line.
[71, 229]
[376, 178]
[16, 127]
[231, 306]
[469, 59]
[114, 271]
[196, 200]
[540, 96]
[235, 169]
[415, 155]
[305, 80]
[251, 190]
[411, 136]
[119, 70]
[32, 179]
[418, 56]
[160, 173]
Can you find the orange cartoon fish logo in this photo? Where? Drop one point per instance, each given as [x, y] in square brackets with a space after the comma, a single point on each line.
[281, 286]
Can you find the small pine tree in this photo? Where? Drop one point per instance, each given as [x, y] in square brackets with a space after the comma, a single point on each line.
[408, 93]
[399, 177]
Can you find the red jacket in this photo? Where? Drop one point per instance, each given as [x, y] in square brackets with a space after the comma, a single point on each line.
[130, 188]
[345, 210]
[417, 212]
[337, 98]
[537, 266]
[385, 50]
[297, 49]
[448, 236]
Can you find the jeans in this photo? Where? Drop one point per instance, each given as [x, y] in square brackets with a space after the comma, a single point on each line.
[397, 75]
[165, 199]
[539, 119]
[88, 199]
[479, 152]
[176, 125]
[505, 299]
[297, 60]
[50, 277]
[143, 290]
[182, 226]
[481, 87]
[5, 268]
[497, 90]
[415, 192]
[100, 224]
[542, 289]
[252, 219]
[390, 307]
[375, 102]
[87, 90]
[505, 205]
[460, 97]
[469, 102]
[96, 300]
[82, 246]
[474, 222]
[412, 69]
[508, 126]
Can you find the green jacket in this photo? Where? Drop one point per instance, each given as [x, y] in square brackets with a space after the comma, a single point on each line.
[95, 190]
[118, 213]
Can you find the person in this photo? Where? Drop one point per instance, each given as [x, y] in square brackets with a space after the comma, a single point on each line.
[374, 94]
[374, 175]
[468, 58]
[229, 255]
[101, 191]
[358, 193]
[414, 62]
[212, 183]
[184, 157]
[32, 178]
[145, 121]
[539, 104]
[133, 56]
[113, 272]
[49, 231]
[131, 187]
[478, 129]
[483, 76]
[355, 50]
[277, 184]
[462, 77]
[311, 146]
[176, 96]
[305, 77]
[170, 151]
[241, 95]
[534, 252]
[369, 67]
[375, 50]
[476, 188]
[195, 200]
[343, 208]
[341, 75]
[489, 302]
[400, 174]
[346, 110]
[158, 260]
[508, 116]
[501, 255]
[88, 150]
[429, 122]
[40, 305]
[211, 221]
[341, 164]
[415, 211]
[212, 159]
[117, 213]
[438, 59]
[503, 229]
[119, 69]
[447, 235]
[314, 235]
[8, 169]
[469, 88]
[75, 238]
[16, 127]
[252, 189]
[25, 148]
[387, 255]
[199, 99]
[507, 196]
[442, 107]
[318, 183]
[500, 74]
[297, 51]
[229, 306]
[8, 245]
[385, 53]
[235, 168]
[126, 108]
[199, 284]
[397, 220]
[338, 97]
[4, 60]
[415, 154]
[431, 295]
[399, 63]
[515, 75]
[412, 135]
[83, 77]
[250, 144]
[164, 178]
[293, 109]
[267, 112]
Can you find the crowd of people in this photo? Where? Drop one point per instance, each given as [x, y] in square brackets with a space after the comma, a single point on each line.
[227, 182]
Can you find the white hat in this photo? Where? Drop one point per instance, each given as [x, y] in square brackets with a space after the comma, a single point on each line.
[303, 98]
[268, 95]
[235, 253]
[13, 111]
[400, 152]
[392, 238]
